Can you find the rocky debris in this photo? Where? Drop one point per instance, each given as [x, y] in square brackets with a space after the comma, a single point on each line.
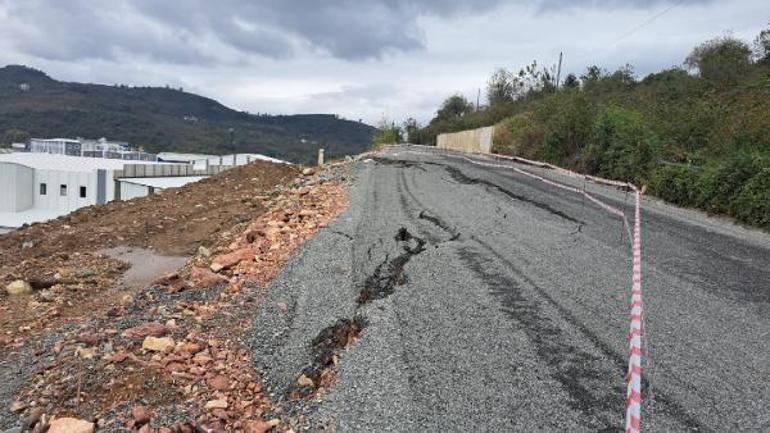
[70, 425]
[140, 415]
[62, 259]
[261, 426]
[18, 287]
[203, 278]
[179, 355]
[152, 329]
[155, 344]
[309, 171]
[172, 282]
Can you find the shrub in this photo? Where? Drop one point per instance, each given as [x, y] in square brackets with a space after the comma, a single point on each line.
[518, 135]
[624, 147]
[752, 205]
[721, 183]
[676, 184]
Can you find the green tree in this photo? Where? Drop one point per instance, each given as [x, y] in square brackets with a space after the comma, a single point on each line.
[762, 45]
[387, 133]
[571, 82]
[500, 87]
[721, 60]
[453, 107]
[14, 136]
[412, 130]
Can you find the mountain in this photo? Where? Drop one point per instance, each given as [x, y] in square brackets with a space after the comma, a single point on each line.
[166, 119]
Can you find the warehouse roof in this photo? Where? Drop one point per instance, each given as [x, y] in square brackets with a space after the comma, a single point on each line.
[45, 161]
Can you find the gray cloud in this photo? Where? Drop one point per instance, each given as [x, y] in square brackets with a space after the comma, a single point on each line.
[550, 5]
[202, 31]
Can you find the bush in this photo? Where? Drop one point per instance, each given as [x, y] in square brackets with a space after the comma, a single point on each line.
[720, 184]
[518, 135]
[677, 184]
[624, 147]
[752, 205]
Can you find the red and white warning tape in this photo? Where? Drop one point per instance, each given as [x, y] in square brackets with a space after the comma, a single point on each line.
[634, 379]
[635, 350]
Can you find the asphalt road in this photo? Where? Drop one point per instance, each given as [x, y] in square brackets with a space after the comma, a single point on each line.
[495, 302]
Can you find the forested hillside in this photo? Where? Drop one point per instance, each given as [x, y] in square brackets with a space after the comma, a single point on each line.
[163, 119]
[698, 135]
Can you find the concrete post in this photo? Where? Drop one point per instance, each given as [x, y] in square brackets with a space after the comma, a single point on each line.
[320, 157]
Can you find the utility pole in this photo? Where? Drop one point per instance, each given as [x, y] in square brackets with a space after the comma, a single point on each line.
[478, 98]
[558, 71]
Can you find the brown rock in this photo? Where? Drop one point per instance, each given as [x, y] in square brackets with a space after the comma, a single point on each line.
[204, 278]
[192, 348]
[70, 425]
[260, 426]
[226, 261]
[89, 338]
[140, 414]
[216, 404]
[147, 329]
[173, 283]
[144, 429]
[219, 383]
[18, 406]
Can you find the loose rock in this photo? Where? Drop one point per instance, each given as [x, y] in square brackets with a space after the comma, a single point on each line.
[70, 425]
[18, 287]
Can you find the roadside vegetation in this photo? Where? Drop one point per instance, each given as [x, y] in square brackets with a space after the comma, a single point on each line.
[697, 135]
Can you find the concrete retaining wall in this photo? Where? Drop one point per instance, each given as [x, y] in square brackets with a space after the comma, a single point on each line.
[474, 140]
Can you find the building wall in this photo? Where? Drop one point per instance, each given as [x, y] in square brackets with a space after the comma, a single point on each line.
[475, 140]
[132, 190]
[16, 182]
[70, 200]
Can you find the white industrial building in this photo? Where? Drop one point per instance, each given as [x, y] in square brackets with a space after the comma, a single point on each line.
[41, 186]
[101, 148]
[38, 186]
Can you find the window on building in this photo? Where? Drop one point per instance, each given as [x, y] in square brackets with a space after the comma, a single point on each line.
[83, 192]
[63, 190]
[43, 189]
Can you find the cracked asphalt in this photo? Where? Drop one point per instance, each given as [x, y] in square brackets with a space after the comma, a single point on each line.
[495, 302]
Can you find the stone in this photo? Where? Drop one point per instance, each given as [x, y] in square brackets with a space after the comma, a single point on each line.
[33, 416]
[305, 381]
[216, 404]
[203, 251]
[140, 414]
[18, 287]
[261, 426]
[192, 348]
[86, 353]
[231, 259]
[155, 344]
[153, 329]
[18, 406]
[70, 425]
[308, 171]
[203, 278]
[219, 383]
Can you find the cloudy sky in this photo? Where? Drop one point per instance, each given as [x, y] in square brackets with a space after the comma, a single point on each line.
[362, 59]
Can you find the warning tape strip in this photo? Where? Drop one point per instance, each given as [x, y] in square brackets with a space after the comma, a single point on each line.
[634, 379]
[636, 330]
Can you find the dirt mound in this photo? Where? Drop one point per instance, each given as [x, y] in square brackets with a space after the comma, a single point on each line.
[66, 260]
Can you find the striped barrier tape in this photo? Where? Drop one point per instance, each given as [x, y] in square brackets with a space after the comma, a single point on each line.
[634, 378]
[636, 331]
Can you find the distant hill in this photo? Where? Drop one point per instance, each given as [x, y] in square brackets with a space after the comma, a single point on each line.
[165, 119]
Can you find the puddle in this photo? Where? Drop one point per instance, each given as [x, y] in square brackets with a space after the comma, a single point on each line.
[146, 265]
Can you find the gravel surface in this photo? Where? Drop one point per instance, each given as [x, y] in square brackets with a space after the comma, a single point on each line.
[515, 315]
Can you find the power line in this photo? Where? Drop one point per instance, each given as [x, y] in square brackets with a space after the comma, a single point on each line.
[644, 23]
